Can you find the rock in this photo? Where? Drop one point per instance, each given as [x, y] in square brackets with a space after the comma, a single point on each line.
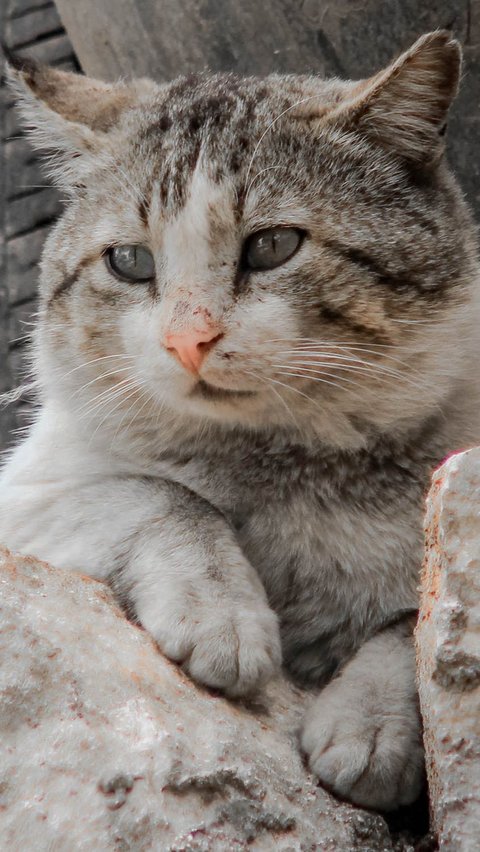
[105, 745]
[448, 648]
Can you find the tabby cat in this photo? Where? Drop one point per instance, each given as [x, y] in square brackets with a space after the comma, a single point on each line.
[258, 334]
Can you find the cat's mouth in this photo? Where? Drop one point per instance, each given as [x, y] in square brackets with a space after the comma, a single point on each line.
[204, 390]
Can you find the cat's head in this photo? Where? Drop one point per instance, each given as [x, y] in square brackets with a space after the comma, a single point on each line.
[282, 251]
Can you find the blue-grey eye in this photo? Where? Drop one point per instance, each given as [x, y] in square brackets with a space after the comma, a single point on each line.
[271, 247]
[131, 263]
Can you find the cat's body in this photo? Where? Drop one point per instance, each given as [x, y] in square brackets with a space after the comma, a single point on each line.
[226, 428]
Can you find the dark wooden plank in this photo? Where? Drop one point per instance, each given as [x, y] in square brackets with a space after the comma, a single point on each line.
[19, 364]
[22, 264]
[25, 214]
[20, 324]
[24, 174]
[32, 27]
[117, 37]
[7, 415]
[50, 51]
[17, 8]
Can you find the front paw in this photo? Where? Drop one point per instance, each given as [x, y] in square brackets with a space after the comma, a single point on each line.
[225, 644]
[365, 746]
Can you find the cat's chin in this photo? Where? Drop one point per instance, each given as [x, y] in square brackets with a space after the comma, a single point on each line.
[205, 390]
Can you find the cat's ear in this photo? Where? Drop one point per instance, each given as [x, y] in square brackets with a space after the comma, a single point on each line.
[404, 108]
[68, 116]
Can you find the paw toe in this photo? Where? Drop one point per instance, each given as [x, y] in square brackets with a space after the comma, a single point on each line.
[214, 660]
[339, 767]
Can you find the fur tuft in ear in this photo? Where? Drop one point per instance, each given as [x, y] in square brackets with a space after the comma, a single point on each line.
[404, 108]
[68, 116]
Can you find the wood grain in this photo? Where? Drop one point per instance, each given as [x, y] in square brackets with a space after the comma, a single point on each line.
[28, 205]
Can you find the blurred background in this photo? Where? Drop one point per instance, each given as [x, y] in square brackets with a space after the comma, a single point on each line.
[163, 38]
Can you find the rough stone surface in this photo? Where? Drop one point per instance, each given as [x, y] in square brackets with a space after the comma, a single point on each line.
[105, 745]
[448, 647]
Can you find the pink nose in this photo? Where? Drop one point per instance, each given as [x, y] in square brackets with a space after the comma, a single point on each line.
[192, 346]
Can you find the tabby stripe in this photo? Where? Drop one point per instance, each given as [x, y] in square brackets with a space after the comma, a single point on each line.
[143, 210]
[329, 314]
[371, 265]
[70, 280]
[62, 288]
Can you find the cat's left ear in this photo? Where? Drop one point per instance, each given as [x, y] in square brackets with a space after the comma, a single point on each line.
[404, 108]
[68, 116]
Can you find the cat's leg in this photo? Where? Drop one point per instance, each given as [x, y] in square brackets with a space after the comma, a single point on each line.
[170, 556]
[189, 584]
[362, 734]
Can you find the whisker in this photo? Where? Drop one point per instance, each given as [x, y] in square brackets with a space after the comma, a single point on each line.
[351, 349]
[97, 379]
[112, 411]
[94, 361]
[325, 381]
[261, 172]
[117, 391]
[294, 390]
[149, 398]
[107, 391]
[368, 366]
[322, 372]
[275, 391]
[333, 359]
[272, 123]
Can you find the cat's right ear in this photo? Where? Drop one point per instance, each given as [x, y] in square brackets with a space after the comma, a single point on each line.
[69, 117]
[404, 107]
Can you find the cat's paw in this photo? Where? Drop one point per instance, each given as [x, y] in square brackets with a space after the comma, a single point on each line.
[224, 644]
[365, 746]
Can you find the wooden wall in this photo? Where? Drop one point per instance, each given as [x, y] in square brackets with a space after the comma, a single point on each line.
[28, 205]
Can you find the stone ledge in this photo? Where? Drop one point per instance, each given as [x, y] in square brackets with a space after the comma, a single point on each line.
[448, 649]
[106, 745]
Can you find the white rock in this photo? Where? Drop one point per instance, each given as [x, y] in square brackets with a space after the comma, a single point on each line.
[448, 648]
[105, 745]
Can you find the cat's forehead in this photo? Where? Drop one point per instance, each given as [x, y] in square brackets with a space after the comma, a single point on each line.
[224, 121]
[199, 100]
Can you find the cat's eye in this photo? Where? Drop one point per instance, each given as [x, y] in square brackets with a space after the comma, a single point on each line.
[271, 247]
[131, 263]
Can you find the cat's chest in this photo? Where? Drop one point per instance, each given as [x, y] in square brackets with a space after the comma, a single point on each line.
[290, 481]
[297, 513]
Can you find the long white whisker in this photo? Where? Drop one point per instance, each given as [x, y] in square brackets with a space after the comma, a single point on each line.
[367, 366]
[294, 390]
[272, 123]
[275, 391]
[306, 369]
[112, 411]
[94, 361]
[351, 350]
[261, 172]
[117, 386]
[333, 360]
[135, 414]
[324, 381]
[113, 393]
[98, 379]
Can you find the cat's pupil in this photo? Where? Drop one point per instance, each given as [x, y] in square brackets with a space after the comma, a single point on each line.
[131, 263]
[271, 247]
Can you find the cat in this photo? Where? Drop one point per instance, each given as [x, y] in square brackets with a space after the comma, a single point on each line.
[257, 337]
